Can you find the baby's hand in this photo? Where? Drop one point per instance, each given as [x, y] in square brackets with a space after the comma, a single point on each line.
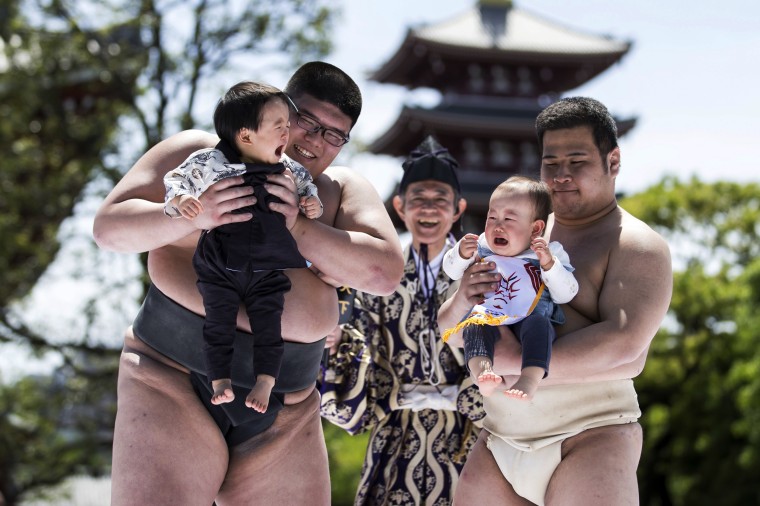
[541, 248]
[311, 207]
[468, 245]
[189, 206]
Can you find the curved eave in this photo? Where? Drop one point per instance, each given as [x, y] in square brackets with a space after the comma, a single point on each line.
[625, 125]
[413, 123]
[403, 68]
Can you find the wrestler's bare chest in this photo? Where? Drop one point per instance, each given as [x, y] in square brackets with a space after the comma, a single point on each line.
[589, 252]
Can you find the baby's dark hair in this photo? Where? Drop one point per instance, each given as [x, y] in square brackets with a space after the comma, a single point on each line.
[241, 107]
[533, 188]
[573, 112]
[329, 84]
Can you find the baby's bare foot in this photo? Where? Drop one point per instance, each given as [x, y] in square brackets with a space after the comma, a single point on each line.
[222, 391]
[483, 375]
[488, 381]
[258, 398]
[517, 392]
[527, 384]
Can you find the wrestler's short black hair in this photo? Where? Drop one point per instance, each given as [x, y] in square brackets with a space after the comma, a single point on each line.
[573, 112]
[329, 84]
[241, 107]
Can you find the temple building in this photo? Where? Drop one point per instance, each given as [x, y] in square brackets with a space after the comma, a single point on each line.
[496, 67]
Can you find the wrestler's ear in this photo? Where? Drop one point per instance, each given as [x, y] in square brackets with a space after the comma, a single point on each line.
[398, 205]
[537, 230]
[613, 162]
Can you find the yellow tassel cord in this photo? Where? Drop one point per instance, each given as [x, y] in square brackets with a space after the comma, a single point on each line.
[487, 319]
[476, 319]
[537, 298]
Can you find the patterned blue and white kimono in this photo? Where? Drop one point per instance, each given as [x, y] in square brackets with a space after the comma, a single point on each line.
[394, 376]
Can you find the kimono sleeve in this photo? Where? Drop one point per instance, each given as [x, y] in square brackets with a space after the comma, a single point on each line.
[353, 388]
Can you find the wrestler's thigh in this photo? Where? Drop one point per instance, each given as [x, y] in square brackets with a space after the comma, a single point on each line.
[286, 465]
[481, 481]
[598, 467]
[166, 449]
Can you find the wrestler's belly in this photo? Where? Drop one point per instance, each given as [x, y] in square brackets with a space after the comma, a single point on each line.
[311, 306]
[133, 345]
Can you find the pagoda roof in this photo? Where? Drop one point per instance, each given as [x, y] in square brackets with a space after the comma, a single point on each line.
[458, 120]
[504, 35]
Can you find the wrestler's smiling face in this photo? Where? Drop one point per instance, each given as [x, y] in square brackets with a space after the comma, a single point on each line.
[511, 223]
[310, 149]
[428, 209]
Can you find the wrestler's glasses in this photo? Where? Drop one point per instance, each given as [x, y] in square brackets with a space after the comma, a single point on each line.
[313, 126]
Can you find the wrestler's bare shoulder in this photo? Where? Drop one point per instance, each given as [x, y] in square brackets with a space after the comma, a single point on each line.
[334, 179]
[637, 234]
[343, 178]
[618, 230]
[345, 191]
[145, 179]
[188, 140]
[339, 173]
[173, 150]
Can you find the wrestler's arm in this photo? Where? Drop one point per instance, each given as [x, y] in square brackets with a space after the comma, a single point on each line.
[508, 360]
[633, 301]
[361, 249]
[131, 218]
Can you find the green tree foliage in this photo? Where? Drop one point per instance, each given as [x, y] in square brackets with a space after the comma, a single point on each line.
[53, 427]
[700, 390]
[59, 98]
[346, 454]
[86, 86]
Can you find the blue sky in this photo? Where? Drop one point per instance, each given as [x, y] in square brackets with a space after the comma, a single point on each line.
[690, 78]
